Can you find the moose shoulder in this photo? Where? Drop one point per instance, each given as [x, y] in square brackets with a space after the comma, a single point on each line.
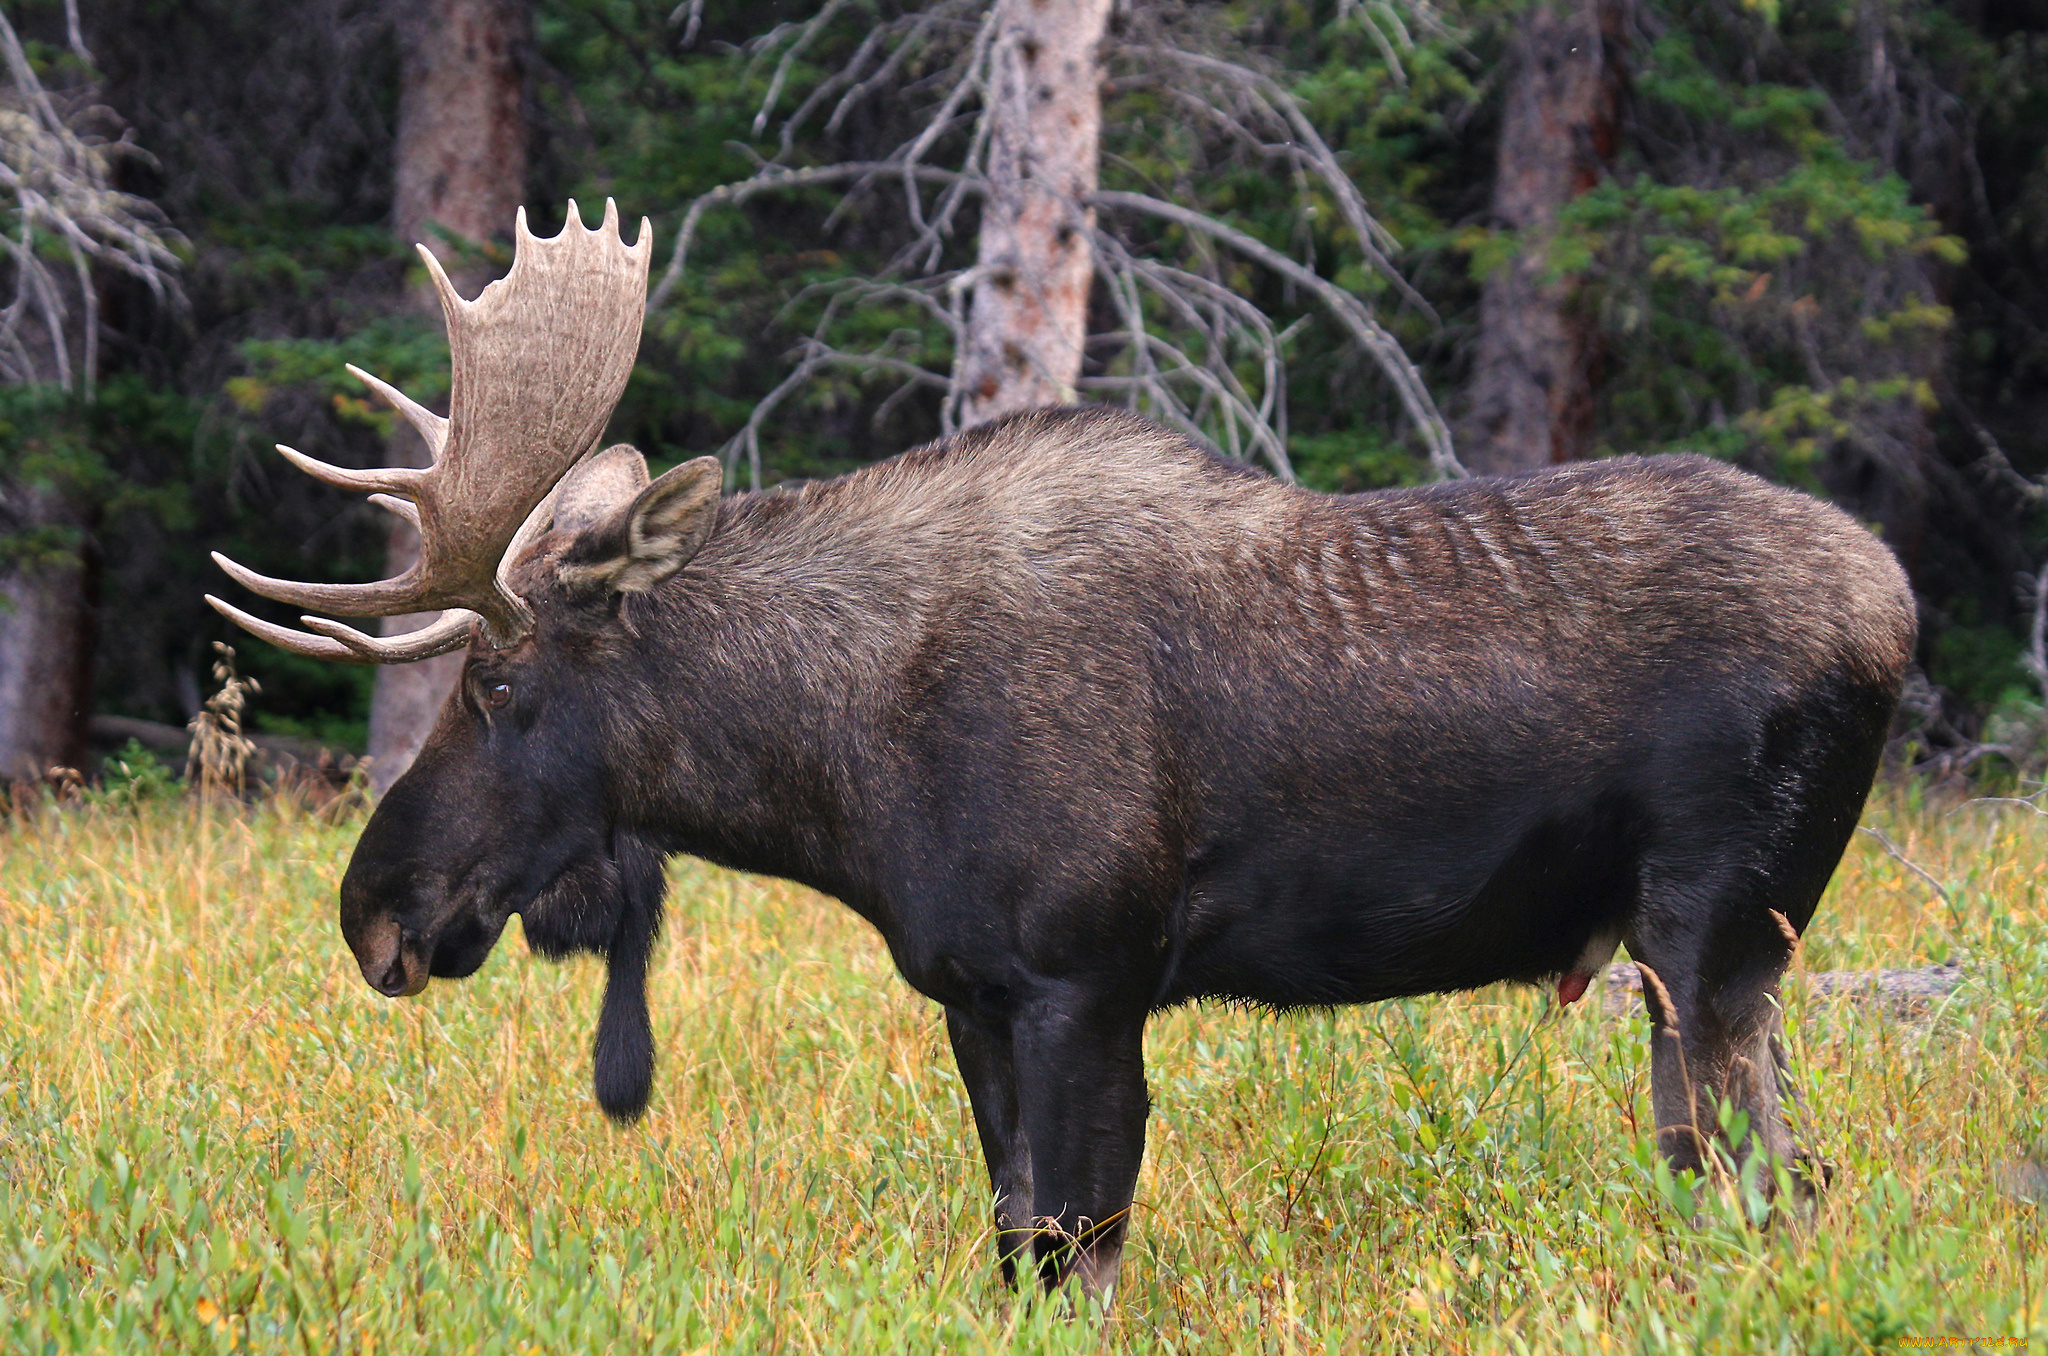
[1087, 723]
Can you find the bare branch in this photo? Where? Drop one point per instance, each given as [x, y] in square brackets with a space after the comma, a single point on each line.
[1898, 855]
[924, 294]
[818, 354]
[1379, 40]
[827, 87]
[973, 80]
[774, 177]
[73, 35]
[55, 184]
[1229, 324]
[1309, 150]
[804, 38]
[1349, 310]
[1994, 461]
[910, 43]
[691, 15]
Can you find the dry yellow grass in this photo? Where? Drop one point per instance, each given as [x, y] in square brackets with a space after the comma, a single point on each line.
[213, 1136]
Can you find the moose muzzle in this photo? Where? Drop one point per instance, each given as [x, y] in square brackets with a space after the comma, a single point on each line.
[392, 963]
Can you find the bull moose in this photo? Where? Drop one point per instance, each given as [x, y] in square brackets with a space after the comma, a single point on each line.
[1088, 722]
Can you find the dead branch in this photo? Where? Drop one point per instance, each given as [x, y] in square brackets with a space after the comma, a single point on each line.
[1907, 995]
[1348, 310]
[912, 42]
[2020, 801]
[1381, 19]
[691, 15]
[817, 354]
[58, 182]
[1995, 463]
[974, 79]
[806, 34]
[1227, 322]
[1308, 149]
[1898, 855]
[772, 177]
[1996, 466]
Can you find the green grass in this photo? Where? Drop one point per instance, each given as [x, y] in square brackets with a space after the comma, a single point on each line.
[214, 1136]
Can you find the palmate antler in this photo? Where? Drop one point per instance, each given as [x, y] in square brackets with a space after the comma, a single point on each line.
[540, 360]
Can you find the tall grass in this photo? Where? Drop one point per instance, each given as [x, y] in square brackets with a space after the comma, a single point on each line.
[214, 1136]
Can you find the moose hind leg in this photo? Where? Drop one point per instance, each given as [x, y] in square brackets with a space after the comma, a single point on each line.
[1739, 871]
[982, 1050]
[1081, 1091]
[1710, 985]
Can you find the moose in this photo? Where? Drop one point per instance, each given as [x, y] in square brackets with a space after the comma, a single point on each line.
[1089, 722]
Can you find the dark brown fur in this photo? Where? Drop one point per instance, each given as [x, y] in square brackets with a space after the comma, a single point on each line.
[1088, 723]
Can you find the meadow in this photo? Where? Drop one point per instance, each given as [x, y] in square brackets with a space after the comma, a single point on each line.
[215, 1137]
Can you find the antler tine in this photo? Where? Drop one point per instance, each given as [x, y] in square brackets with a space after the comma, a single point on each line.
[385, 598]
[298, 642]
[402, 479]
[433, 429]
[451, 300]
[447, 633]
[610, 224]
[391, 503]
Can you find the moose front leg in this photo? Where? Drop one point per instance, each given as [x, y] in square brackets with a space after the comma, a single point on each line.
[1081, 1094]
[983, 1053]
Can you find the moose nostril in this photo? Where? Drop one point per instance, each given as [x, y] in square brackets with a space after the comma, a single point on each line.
[392, 982]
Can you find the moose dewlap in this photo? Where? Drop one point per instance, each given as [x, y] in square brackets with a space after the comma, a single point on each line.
[1088, 723]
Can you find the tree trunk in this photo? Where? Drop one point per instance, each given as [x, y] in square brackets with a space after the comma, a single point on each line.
[48, 622]
[1037, 257]
[461, 160]
[461, 166]
[1537, 361]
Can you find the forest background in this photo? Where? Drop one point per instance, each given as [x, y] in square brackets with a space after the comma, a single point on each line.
[1807, 236]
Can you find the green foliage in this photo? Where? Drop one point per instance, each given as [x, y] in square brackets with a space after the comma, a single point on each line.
[283, 250]
[1770, 299]
[99, 459]
[1979, 661]
[134, 776]
[409, 352]
[1347, 462]
[309, 698]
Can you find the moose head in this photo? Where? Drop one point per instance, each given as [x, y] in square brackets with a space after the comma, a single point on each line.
[528, 541]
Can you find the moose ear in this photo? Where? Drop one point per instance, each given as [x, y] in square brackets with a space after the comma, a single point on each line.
[637, 546]
[598, 485]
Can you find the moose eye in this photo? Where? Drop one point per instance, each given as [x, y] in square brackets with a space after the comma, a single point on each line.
[497, 694]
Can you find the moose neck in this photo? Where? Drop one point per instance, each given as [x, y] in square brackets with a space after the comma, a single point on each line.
[773, 662]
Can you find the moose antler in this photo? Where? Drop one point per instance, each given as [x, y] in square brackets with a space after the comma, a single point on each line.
[540, 360]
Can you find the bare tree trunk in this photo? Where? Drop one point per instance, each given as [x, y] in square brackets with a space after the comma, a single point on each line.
[1533, 374]
[461, 167]
[1029, 318]
[48, 623]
